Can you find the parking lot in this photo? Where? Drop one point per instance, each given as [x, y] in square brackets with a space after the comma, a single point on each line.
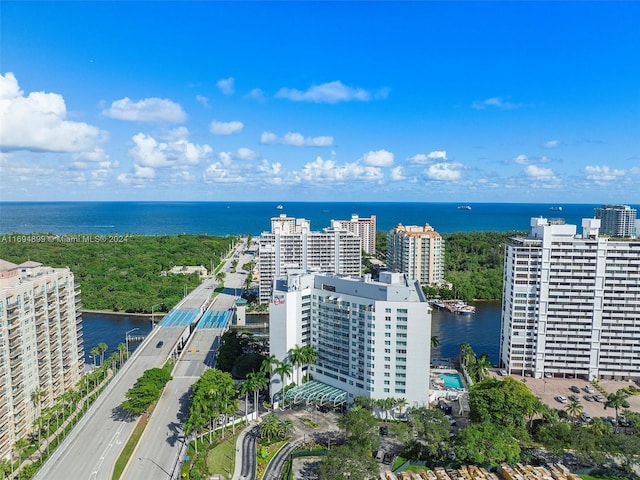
[548, 389]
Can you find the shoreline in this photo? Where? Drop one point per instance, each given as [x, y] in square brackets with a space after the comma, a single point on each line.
[110, 312]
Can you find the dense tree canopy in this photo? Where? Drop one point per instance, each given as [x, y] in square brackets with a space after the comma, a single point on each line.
[507, 402]
[486, 443]
[125, 275]
[146, 390]
[432, 426]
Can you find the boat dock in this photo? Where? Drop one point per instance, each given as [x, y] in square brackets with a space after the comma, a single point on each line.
[454, 306]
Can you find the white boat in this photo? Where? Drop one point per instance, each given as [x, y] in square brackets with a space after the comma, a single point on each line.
[279, 207]
[464, 207]
[555, 209]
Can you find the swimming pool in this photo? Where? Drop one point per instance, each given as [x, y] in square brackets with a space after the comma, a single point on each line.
[451, 380]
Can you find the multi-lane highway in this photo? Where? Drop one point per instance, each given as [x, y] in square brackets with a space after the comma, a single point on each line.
[91, 449]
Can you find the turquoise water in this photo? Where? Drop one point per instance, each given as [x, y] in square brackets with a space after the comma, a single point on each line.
[451, 380]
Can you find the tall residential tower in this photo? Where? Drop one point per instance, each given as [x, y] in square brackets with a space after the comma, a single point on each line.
[291, 245]
[617, 220]
[40, 344]
[571, 303]
[418, 252]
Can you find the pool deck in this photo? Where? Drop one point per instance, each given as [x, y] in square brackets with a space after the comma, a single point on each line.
[439, 390]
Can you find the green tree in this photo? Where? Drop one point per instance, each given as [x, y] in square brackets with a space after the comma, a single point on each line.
[435, 341]
[574, 409]
[296, 357]
[102, 347]
[309, 356]
[616, 400]
[95, 353]
[348, 461]
[506, 403]
[270, 427]
[486, 443]
[359, 425]
[432, 426]
[482, 367]
[283, 370]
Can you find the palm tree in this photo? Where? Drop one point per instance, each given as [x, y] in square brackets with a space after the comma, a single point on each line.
[574, 409]
[94, 352]
[616, 400]
[102, 347]
[122, 348]
[36, 398]
[244, 389]
[283, 370]
[401, 403]
[482, 366]
[21, 446]
[269, 364]
[435, 341]
[296, 357]
[257, 381]
[309, 356]
[270, 427]
[466, 354]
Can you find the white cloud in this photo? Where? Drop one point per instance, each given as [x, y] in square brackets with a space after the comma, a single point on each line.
[37, 122]
[202, 100]
[495, 102]
[295, 139]
[225, 158]
[421, 158]
[225, 128]
[397, 174]
[255, 94]
[182, 177]
[246, 154]
[139, 175]
[146, 110]
[95, 155]
[444, 171]
[270, 168]
[321, 171]
[379, 158]
[603, 174]
[226, 85]
[534, 171]
[150, 152]
[521, 159]
[218, 173]
[552, 143]
[331, 92]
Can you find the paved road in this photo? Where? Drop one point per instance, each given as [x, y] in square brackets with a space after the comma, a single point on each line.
[248, 471]
[160, 450]
[92, 448]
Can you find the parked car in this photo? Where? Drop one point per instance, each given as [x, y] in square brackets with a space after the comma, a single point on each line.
[159, 344]
[588, 398]
[574, 398]
[503, 373]
[452, 420]
[623, 422]
[562, 399]
[589, 389]
[599, 398]
[586, 417]
[610, 420]
[574, 389]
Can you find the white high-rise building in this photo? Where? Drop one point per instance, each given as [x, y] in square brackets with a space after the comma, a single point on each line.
[365, 228]
[291, 245]
[617, 220]
[417, 251]
[40, 343]
[372, 337]
[571, 303]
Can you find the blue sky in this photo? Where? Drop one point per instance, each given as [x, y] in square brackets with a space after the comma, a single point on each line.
[316, 101]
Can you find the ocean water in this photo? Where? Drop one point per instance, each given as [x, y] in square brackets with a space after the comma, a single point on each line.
[235, 218]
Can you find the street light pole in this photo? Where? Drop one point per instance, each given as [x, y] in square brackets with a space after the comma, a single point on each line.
[126, 339]
[153, 323]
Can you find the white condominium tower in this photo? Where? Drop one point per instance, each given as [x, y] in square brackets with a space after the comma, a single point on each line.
[291, 245]
[617, 220]
[418, 252]
[571, 303]
[372, 337]
[40, 344]
[365, 228]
